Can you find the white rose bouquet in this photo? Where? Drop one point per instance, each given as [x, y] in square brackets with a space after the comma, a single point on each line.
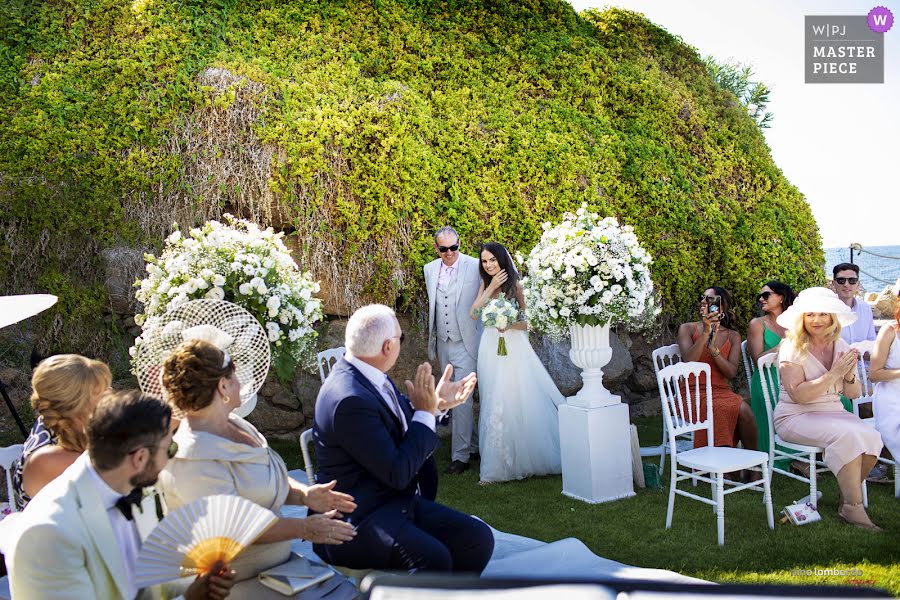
[500, 313]
[588, 271]
[238, 262]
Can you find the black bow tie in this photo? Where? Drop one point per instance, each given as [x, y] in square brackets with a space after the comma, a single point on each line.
[125, 503]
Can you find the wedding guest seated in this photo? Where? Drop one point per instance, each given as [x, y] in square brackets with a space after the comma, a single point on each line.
[378, 444]
[221, 453]
[884, 369]
[714, 341]
[764, 336]
[80, 537]
[65, 389]
[815, 367]
[846, 286]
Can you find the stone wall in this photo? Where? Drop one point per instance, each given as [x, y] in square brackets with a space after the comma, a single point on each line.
[287, 410]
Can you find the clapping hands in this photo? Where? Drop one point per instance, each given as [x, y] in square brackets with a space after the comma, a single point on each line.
[453, 393]
[322, 498]
[447, 394]
[844, 364]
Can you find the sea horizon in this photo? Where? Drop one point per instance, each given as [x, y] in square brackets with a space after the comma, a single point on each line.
[879, 266]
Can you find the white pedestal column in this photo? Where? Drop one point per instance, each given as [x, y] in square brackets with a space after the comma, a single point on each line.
[595, 447]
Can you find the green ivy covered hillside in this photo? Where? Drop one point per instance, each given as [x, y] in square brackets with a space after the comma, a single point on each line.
[361, 126]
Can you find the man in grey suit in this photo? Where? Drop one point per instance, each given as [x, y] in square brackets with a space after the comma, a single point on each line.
[452, 281]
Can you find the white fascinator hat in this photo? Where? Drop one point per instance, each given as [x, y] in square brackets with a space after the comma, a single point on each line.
[817, 300]
[225, 325]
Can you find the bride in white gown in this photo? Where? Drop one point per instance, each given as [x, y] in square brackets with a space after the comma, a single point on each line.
[519, 422]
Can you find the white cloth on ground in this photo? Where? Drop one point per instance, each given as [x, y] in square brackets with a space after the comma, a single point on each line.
[522, 557]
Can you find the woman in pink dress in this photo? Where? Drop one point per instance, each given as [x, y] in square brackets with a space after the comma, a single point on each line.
[815, 366]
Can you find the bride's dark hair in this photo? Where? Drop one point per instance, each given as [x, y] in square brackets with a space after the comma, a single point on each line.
[504, 262]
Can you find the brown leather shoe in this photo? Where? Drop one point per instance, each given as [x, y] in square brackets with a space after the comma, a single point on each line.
[457, 467]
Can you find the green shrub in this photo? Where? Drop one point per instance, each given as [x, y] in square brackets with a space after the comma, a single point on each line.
[366, 125]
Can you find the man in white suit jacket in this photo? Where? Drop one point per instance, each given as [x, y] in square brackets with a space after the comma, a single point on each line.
[74, 539]
[452, 281]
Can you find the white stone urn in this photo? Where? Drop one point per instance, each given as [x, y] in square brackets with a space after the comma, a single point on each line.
[591, 352]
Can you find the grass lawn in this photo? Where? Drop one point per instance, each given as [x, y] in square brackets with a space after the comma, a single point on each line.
[633, 531]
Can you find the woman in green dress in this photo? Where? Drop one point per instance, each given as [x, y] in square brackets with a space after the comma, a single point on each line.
[764, 336]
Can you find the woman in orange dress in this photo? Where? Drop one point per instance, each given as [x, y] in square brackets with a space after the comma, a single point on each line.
[714, 341]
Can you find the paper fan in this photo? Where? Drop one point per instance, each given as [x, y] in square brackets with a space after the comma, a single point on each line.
[190, 539]
[224, 324]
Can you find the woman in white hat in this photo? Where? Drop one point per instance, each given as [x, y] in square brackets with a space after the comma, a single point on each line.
[815, 366]
[884, 369]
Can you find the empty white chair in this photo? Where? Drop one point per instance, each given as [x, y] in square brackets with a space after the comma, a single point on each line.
[326, 359]
[681, 411]
[306, 439]
[662, 357]
[865, 349]
[778, 447]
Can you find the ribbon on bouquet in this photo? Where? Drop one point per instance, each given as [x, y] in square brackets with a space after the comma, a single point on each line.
[501, 346]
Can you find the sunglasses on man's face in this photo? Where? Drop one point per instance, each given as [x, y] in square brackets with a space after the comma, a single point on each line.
[850, 280]
[452, 248]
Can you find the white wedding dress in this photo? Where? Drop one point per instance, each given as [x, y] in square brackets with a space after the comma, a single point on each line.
[518, 426]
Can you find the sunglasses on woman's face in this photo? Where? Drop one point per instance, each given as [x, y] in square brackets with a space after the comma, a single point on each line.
[452, 248]
[850, 280]
[705, 298]
[764, 296]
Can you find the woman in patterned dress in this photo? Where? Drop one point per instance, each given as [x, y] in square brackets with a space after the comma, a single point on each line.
[66, 388]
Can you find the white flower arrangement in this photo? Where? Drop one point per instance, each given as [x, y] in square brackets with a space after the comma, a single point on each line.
[587, 271]
[500, 313]
[239, 262]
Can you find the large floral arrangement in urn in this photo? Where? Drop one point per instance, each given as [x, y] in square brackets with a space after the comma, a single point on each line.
[584, 275]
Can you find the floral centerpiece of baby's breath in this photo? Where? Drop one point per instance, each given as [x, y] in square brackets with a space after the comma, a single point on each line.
[241, 263]
[587, 271]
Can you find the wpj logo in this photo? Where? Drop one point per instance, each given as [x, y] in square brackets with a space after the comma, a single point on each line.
[846, 49]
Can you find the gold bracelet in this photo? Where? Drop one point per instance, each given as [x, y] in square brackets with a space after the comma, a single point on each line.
[852, 380]
[715, 352]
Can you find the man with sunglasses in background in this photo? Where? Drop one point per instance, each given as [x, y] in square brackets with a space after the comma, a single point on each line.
[80, 535]
[452, 281]
[846, 286]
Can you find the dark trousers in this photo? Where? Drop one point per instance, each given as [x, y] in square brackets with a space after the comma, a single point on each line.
[431, 537]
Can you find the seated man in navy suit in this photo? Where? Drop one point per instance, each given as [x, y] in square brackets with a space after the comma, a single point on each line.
[377, 444]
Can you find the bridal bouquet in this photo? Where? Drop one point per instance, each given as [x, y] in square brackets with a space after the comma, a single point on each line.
[588, 271]
[500, 313]
[238, 262]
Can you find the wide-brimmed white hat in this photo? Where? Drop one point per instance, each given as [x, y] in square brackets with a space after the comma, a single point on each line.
[227, 326]
[817, 300]
[896, 289]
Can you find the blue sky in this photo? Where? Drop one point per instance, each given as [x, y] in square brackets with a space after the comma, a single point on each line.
[838, 143]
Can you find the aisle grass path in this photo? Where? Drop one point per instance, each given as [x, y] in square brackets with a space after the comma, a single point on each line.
[633, 531]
